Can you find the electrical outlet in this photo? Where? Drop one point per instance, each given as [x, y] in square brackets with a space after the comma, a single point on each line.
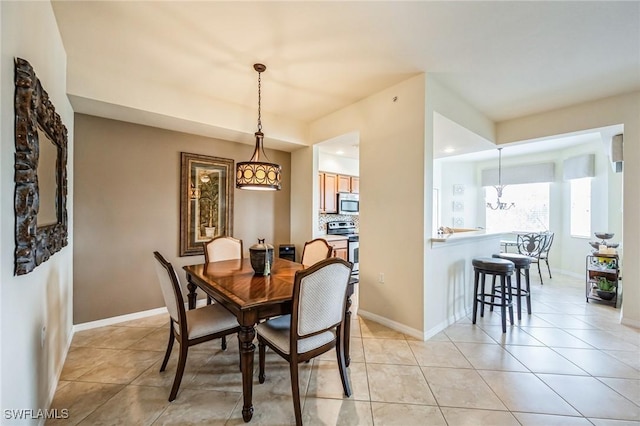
[43, 335]
[381, 278]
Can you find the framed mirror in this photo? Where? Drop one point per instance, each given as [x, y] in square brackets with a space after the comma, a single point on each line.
[206, 200]
[40, 200]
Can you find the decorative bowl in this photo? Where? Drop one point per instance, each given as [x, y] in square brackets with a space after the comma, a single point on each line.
[613, 245]
[604, 235]
[606, 295]
[594, 244]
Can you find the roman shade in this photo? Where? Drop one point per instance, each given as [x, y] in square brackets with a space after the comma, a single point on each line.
[526, 173]
[579, 167]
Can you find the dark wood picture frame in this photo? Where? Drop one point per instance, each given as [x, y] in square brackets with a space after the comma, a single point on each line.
[206, 200]
[35, 116]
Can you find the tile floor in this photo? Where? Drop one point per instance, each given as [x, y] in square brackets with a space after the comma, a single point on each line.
[570, 363]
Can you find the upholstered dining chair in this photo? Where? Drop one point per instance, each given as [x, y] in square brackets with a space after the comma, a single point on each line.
[532, 245]
[315, 325]
[314, 251]
[189, 327]
[218, 249]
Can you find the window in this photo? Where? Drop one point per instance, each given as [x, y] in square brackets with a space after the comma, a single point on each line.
[581, 207]
[531, 212]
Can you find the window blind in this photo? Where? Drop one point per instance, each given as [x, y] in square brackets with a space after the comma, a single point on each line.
[526, 173]
[579, 167]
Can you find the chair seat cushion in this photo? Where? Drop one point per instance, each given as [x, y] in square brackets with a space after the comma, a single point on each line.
[520, 260]
[209, 319]
[276, 331]
[493, 264]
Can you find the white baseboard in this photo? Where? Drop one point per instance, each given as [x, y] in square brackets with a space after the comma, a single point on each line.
[127, 317]
[392, 324]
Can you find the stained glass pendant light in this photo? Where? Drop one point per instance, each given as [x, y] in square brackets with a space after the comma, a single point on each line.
[258, 173]
[500, 205]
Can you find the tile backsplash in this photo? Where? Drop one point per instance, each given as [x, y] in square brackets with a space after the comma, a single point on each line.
[324, 218]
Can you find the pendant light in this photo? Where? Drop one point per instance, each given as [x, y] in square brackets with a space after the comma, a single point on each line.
[258, 173]
[500, 205]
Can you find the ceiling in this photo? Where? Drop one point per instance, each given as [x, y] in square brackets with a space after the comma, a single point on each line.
[507, 59]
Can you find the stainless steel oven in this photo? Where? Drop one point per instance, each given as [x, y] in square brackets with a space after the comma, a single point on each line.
[354, 252]
[348, 229]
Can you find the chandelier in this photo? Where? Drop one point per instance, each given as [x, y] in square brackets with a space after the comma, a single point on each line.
[500, 205]
[258, 173]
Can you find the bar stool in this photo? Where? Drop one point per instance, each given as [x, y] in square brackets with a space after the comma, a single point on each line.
[483, 266]
[522, 264]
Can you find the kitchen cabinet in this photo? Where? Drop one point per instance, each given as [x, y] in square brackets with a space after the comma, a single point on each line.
[339, 248]
[602, 267]
[328, 192]
[329, 186]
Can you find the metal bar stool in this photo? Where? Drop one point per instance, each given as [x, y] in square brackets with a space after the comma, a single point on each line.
[522, 264]
[483, 266]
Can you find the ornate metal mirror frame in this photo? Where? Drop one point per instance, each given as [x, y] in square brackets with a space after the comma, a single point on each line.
[36, 117]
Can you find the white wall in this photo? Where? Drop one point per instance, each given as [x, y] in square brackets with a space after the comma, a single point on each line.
[44, 297]
[625, 110]
[337, 164]
[459, 173]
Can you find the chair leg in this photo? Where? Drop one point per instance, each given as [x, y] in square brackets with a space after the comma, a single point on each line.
[528, 288]
[548, 268]
[493, 293]
[539, 273]
[261, 361]
[169, 347]
[209, 300]
[475, 295]
[224, 343]
[182, 361]
[503, 303]
[519, 294]
[295, 391]
[341, 362]
[509, 299]
[483, 277]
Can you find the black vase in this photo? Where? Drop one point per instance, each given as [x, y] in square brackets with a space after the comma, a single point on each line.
[258, 254]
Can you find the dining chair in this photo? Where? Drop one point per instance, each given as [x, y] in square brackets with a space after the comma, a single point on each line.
[315, 251]
[315, 325]
[218, 249]
[544, 254]
[532, 245]
[190, 327]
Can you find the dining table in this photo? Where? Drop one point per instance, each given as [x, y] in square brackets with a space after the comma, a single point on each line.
[252, 297]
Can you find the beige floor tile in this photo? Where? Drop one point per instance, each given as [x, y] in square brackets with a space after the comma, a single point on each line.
[320, 411]
[439, 337]
[325, 381]
[513, 336]
[81, 399]
[161, 320]
[406, 414]
[467, 333]
[268, 409]
[566, 321]
[630, 358]
[472, 417]
[111, 337]
[199, 406]
[121, 368]
[220, 371]
[604, 340]
[388, 351]
[454, 387]
[544, 360]
[398, 383]
[629, 388]
[609, 422]
[153, 377]
[133, 405]
[371, 329]
[525, 392]
[438, 354]
[278, 376]
[157, 340]
[490, 357]
[597, 363]
[557, 338]
[81, 360]
[530, 419]
[592, 398]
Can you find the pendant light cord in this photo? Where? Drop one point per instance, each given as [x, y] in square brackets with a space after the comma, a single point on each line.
[259, 102]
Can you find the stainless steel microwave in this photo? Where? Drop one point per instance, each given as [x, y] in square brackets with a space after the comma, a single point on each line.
[348, 203]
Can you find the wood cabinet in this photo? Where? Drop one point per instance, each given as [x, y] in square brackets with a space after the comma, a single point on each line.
[328, 192]
[602, 267]
[329, 186]
[339, 248]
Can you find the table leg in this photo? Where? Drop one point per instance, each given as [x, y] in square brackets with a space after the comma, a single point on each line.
[192, 293]
[347, 332]
[247, 349]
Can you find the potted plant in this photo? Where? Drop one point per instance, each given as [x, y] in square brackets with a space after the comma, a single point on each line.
[606, 289]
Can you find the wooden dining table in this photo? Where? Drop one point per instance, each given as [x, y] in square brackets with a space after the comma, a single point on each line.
[251, 297]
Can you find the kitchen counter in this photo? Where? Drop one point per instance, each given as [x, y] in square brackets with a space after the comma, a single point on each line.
[333, 237]
[464, 236]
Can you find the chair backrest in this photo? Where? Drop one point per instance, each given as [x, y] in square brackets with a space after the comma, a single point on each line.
[222, 248]
[314, 251]
[171, 291]
[319, 297]
[547, 245]
[531, 244]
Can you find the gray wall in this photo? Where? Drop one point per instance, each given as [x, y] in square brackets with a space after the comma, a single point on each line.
[127, 205]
